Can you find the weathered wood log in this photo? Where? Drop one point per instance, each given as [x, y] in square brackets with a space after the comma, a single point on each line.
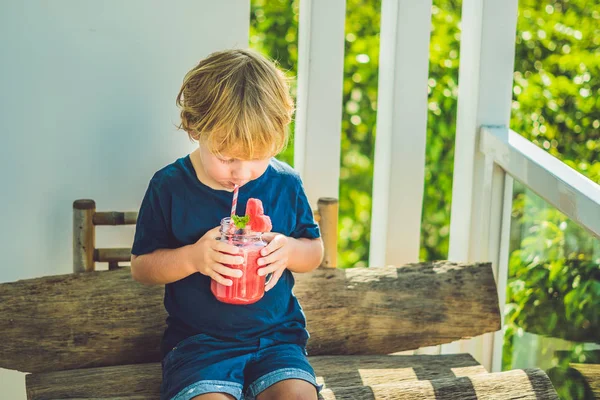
[387, 309]
[516, 384]
[591, 374]
[395, 381]
[332, 371]
[358, 370]
[104, 318]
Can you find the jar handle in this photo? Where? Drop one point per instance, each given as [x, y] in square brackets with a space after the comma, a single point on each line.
[268, 278]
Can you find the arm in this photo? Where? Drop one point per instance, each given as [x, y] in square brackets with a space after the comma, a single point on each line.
[282, 252]
[206, 256]
[162, 266]
[305, 254]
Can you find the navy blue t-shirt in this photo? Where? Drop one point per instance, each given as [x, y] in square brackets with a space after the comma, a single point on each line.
[178, 209]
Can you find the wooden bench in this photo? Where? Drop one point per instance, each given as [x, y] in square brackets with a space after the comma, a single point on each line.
[96, 335]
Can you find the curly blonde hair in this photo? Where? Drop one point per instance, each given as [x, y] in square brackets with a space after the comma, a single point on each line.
[236, 102]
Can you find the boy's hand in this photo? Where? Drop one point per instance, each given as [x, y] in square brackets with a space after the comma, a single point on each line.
[275, 256]
[207, 257]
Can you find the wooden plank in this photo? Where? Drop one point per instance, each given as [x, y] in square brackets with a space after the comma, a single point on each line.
[115, 218]
[509, 385]
[84, 237]
[109, 255]
[345, 377]
[591, 374]
[332, 371]
[328, 223]
[359, 370]
[104, 318]
[97, 383]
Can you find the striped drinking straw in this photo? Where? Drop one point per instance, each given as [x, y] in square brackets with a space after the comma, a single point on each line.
[234, 202]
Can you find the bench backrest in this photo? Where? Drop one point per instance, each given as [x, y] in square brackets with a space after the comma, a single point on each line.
[86, 218]
[104, 318]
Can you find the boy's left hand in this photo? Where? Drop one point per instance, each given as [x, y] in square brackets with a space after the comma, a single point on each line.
[274, 257]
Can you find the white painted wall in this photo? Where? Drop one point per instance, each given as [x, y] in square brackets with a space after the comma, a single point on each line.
[87, 110]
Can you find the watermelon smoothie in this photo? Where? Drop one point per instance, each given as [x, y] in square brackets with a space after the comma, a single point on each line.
[250, 287]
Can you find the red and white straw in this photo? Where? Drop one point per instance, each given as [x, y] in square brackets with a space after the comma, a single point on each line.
[234, 202]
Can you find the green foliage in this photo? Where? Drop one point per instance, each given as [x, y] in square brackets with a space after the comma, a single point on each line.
[553, 289]
[557, 80]
[554, 283]
[361, 63]
[274, 32]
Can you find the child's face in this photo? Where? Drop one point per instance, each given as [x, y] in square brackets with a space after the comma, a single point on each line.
[228, 172]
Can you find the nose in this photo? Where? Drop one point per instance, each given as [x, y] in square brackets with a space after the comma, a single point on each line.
[241, 173]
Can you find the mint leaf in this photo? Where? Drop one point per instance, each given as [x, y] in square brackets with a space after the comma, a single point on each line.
[241, 222]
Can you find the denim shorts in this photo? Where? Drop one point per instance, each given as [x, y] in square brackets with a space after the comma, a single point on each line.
[201, 364]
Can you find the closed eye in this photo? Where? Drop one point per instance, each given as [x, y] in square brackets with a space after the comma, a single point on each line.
[227, 161]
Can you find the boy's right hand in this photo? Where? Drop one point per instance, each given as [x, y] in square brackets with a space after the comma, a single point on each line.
[207, 257]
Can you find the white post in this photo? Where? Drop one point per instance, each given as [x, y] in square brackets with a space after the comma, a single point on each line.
[502, 274]
[484, 98]
[399, 168]
[317, 143]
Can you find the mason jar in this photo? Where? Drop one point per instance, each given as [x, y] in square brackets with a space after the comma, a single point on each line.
[250, 287]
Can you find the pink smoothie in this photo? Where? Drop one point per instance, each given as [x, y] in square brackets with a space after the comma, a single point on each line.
[250, 287]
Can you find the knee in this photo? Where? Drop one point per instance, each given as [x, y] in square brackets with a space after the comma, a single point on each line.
[302, 394]
[291, 392]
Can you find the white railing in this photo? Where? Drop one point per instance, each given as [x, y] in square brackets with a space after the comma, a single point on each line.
[573, 194]
[488, 156]
[567, 190]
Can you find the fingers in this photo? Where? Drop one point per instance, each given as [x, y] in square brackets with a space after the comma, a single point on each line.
[226, 271]
[272, 258]
[268, 236]
[277, 265]
[227, 258]
[220, 272]
[220, 279]
[276, 243]
[225, 247]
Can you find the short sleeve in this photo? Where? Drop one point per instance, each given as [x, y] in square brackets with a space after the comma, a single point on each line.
[305, 221]
[152, 228]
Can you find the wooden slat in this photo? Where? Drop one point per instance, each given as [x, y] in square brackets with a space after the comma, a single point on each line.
[346, 377]
[328, 209]
[115, 218]
[109, 255]
[104, 318]
[332, 371]
[510, 385]
[591, 374]
[84, 235]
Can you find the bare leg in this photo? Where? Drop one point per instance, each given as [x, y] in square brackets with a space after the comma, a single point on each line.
[214, 396]
[289, 389]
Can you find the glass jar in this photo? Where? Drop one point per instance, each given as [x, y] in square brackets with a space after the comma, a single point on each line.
[250, 287]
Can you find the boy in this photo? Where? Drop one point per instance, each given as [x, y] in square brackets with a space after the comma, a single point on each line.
[236, 105]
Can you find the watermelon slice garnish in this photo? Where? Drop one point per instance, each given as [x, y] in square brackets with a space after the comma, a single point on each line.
[259, 222]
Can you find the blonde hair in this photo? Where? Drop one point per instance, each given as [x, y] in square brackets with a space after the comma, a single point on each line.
[236, 102]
